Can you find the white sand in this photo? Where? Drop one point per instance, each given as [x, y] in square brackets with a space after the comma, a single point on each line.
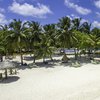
[58, 83]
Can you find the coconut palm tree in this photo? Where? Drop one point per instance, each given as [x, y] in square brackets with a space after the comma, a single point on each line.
[65, 33]
[86, 28]
[17, 36]
[96, 31]
[4, 31]
[33, 36]
[76, 23]
[50, 30]
[45, 48]
[95, 38]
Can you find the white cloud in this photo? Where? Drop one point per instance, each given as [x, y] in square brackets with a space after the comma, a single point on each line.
[98, 14]
[2, 10]
[3, 19]
[96, 24]
[26, 9]
[79, 9]
[73, 16]
[97, 3]
[84, 20]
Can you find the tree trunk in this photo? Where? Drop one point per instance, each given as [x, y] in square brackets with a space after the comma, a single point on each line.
[6, 74]
[75, 54]
[44, 60]
[94, 53]
[89, 55]
[21, 58]
[1, 57]
[51, 58]
[34, 59]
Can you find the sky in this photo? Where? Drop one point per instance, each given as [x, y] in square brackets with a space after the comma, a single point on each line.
[50, 11]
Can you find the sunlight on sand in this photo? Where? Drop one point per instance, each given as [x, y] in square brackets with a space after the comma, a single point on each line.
[60, 82]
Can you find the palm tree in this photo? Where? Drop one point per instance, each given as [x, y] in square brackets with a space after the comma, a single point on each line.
[96, 31]
[65, 33]
[82, 42]
[50, 30]
[45, 48]
[33, 36]
[17, 36]
[86, 28]
[76, 27]
[49, 36]
[95, 38]
[4, 31]
[76, 24]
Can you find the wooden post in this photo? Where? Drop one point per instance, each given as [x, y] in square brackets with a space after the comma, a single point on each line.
[0, 76]
[11, 70]
[5, 73]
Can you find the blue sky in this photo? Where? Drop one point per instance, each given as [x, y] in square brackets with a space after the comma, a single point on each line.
[49, 11]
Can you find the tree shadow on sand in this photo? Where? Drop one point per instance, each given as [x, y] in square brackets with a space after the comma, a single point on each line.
[37, 65]
[76, 63]
[51, 64]
[10, 79]
[47, 64]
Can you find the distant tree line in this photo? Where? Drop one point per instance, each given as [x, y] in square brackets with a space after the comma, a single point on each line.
[42, 40]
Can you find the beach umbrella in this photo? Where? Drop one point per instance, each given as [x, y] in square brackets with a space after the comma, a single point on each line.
[5, 65]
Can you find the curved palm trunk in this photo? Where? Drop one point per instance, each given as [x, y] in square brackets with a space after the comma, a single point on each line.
[44, 60]
[94, 53]
[51, 58]
[21, 58]
[34, 58]
[1, 58]
[89, 53]
[76, 53]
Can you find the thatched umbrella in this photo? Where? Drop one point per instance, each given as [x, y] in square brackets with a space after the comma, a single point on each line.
[7, 65]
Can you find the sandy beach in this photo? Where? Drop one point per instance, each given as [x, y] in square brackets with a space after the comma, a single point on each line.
[60, 82]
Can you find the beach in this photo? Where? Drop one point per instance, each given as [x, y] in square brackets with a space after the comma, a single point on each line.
[60, 82]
